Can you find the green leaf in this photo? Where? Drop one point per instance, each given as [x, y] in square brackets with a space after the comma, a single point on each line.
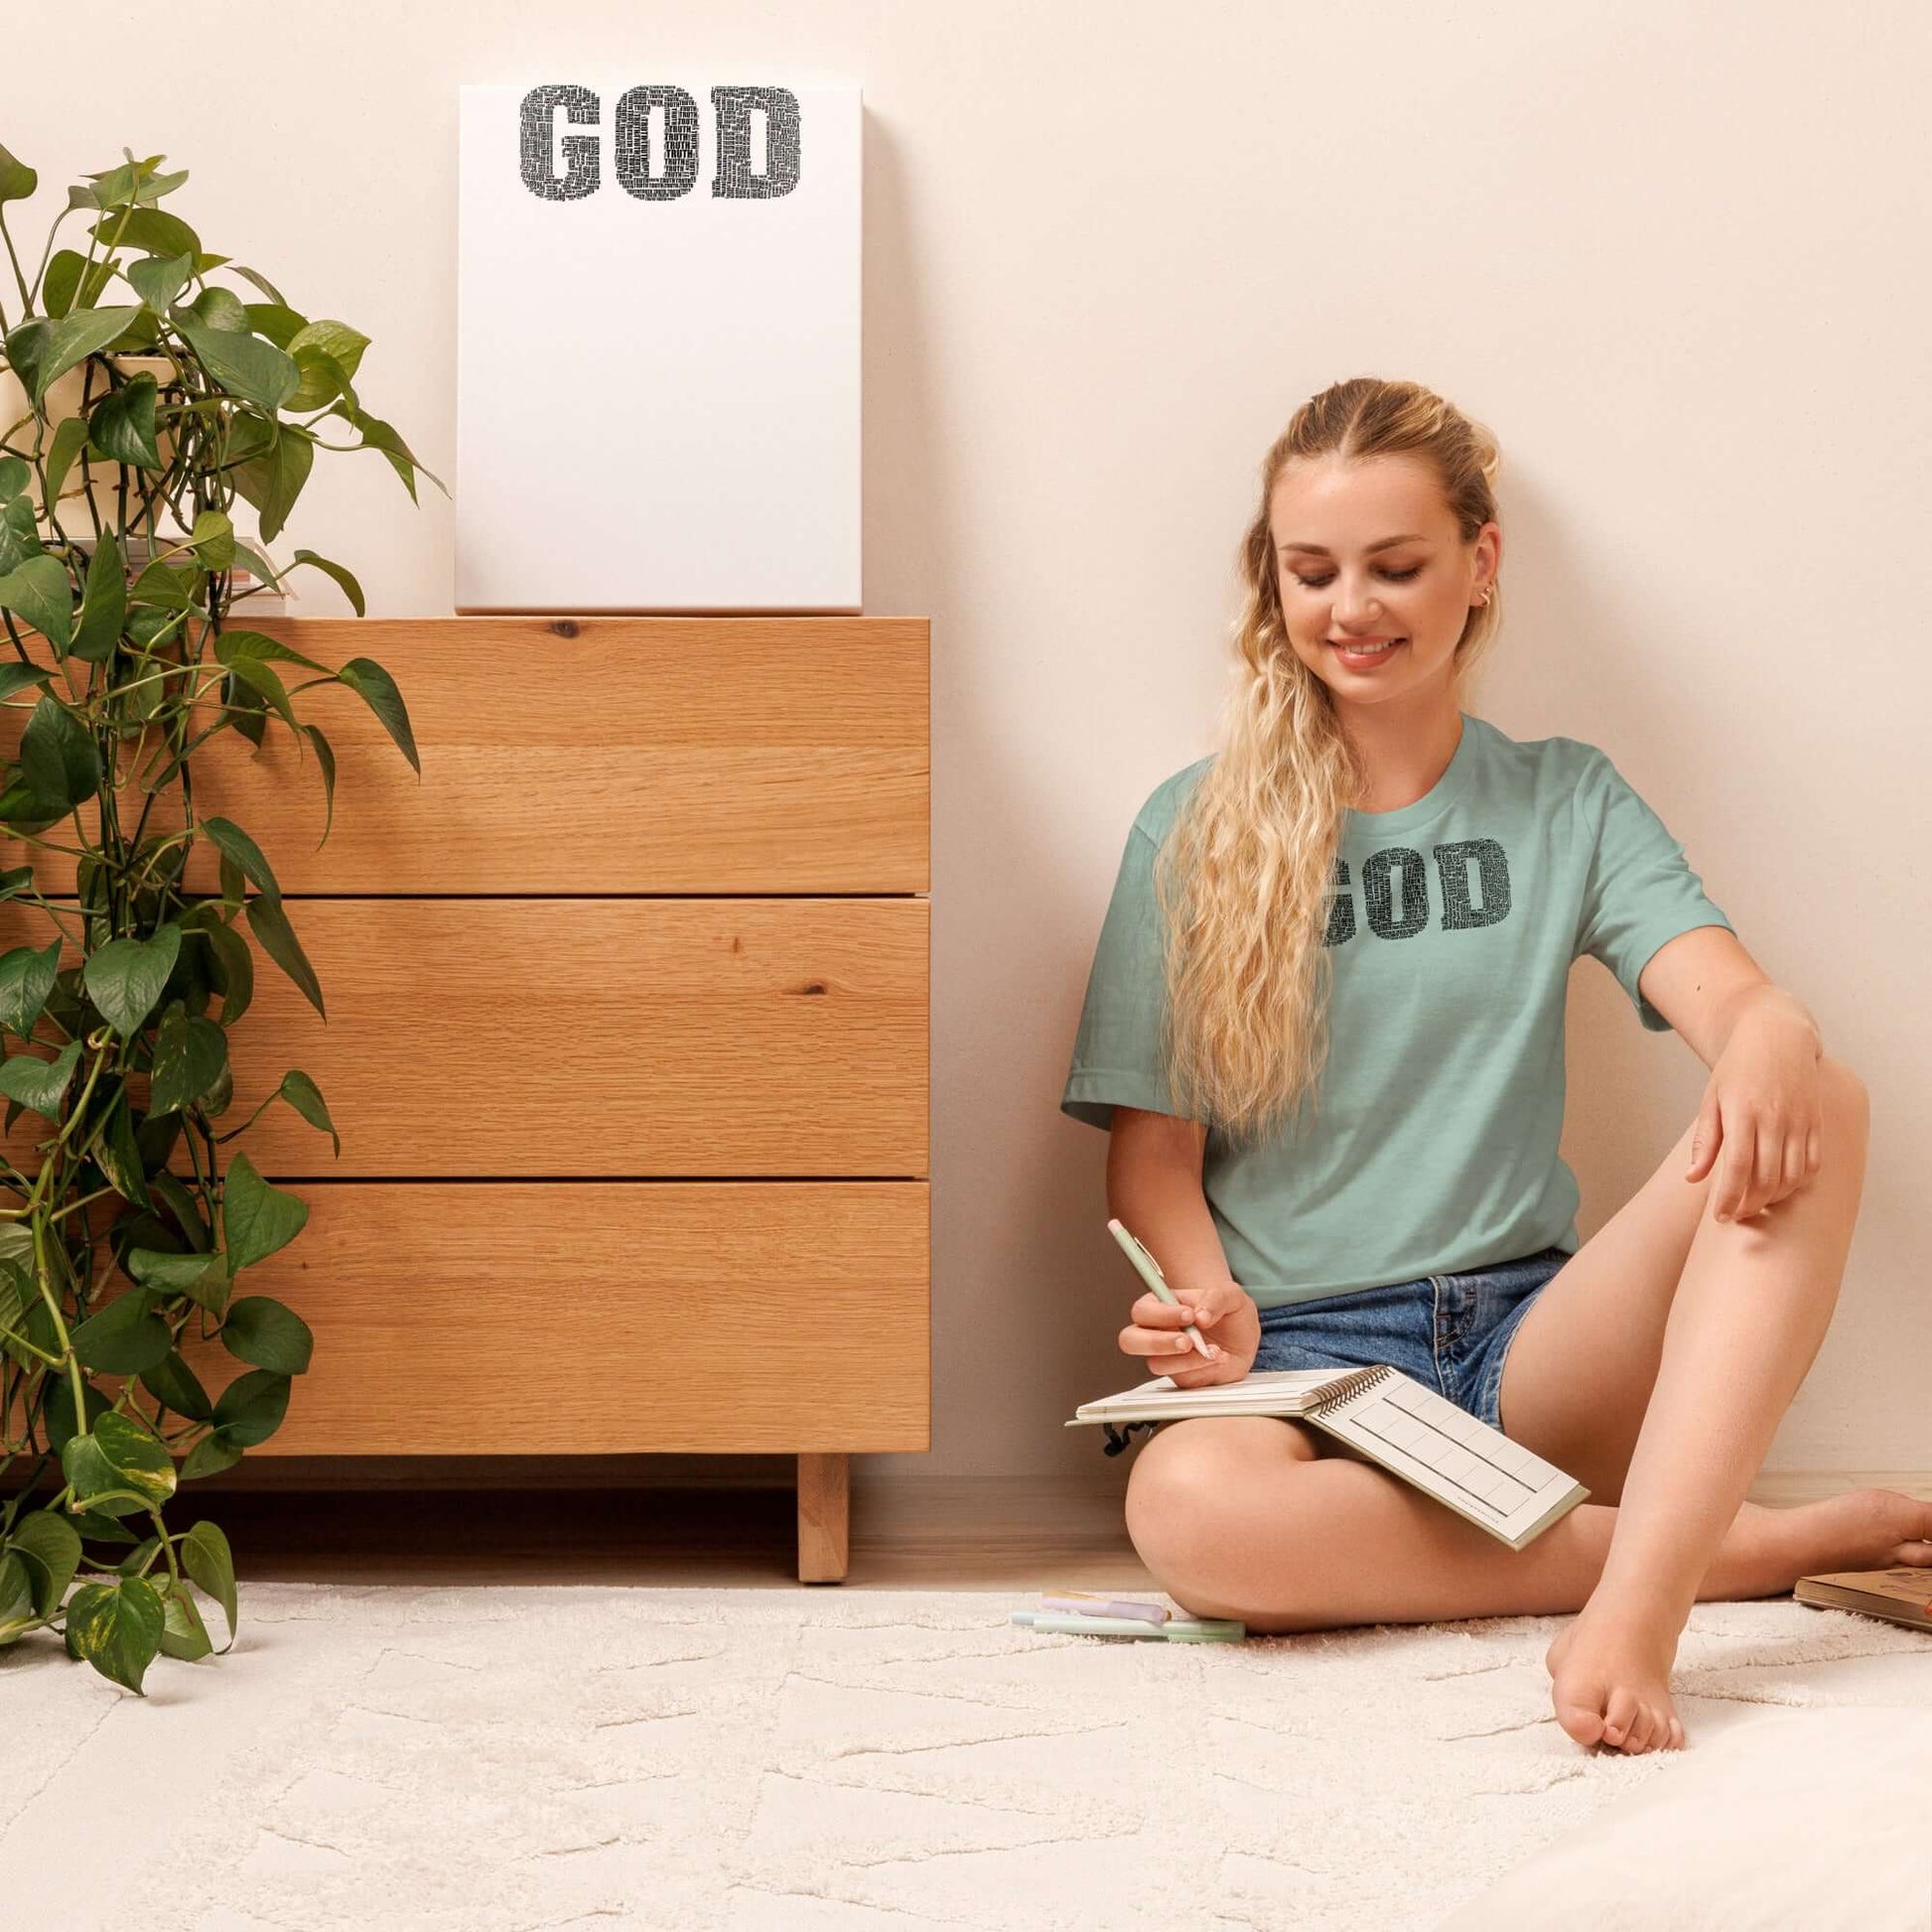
[185, 1209]
[122, 427]
[103, 604]
[343, 345]
[40, 591]
[14, 476]
[126, 977]
[36, 1083]
[260, 677]
[374, 686]
[262, 282]
[258, 644]
[215, 1451]
[117, 1629]
[184, 1634]
[158, 279]
[203, 1278]
[205, 1556]
[189, 1057]
[96, 1526]
[235, 844]
[70, 283]
[18, 1614]
[351, 587]
[325, 758]
[275, 319]
[272, 479]
[124, 1338]
[71, 340]
[213, 538]
[26, 982]
[222, 308]
[17, 180]
[323, 380]
[164, 584]
[265, 572]
[118, 1152]
[172, 1382]
[235, 970]
[118, 1454]
[244, 366]
[70, 438]
[251, 1409]
[264, 1333]
[256, 1219]
[378, 434]
[150, 231]
[59, 1422]
[57, 757]
[305, 1097]
[51, 1546]
[270, 925]
[19, 530]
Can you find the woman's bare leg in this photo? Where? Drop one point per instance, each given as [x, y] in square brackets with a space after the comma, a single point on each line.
[1255, 1517]
[1749, 1311]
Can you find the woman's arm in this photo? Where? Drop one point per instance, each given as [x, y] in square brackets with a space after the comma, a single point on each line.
[1154, 1186]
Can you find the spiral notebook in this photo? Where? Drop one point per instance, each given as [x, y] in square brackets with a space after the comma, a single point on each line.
[1391, 1419]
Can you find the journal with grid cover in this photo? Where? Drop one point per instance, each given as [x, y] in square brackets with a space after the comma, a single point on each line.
[1387, 1417]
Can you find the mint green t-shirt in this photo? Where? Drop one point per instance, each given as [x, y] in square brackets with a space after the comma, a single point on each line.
[1454, 922]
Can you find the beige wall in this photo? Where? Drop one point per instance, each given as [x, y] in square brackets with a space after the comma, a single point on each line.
[1676, 258]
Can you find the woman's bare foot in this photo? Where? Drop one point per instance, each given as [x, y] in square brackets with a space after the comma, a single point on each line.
[1863, 1529]
[1609, 1671]
[1611, 1667]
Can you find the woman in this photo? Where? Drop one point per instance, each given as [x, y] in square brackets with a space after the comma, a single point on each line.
[1324, 1029]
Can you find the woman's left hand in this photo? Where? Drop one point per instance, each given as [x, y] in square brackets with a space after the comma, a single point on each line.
[1760, 1117]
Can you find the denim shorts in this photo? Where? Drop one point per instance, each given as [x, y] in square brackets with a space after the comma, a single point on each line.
[1449, 1332]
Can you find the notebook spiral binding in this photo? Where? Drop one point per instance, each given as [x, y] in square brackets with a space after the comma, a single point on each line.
[1120, 1435]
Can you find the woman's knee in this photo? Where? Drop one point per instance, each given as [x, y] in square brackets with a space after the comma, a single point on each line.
[1190, 1474]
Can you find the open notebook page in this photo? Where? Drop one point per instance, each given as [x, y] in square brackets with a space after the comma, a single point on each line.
[1477, 1471]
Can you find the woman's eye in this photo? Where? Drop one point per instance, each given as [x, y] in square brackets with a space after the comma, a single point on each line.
[1394, 576]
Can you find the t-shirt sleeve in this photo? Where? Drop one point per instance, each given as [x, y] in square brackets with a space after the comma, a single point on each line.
[1117, 1047]
[1639, 893]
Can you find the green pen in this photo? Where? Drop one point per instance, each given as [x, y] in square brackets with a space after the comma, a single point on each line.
[1150, 1272]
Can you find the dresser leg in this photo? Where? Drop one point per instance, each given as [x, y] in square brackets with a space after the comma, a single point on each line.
[823, 1497]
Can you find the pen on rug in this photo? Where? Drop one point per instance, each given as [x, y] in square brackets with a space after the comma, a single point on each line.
[1150, 1272]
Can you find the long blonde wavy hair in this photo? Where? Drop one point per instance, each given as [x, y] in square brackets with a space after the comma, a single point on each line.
[1243, 878]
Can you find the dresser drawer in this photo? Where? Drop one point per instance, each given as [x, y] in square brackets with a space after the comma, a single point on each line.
[626, 1037]
[587, 754]
[572, 1318]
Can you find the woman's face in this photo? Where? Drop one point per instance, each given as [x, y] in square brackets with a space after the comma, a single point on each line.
[1366, 550]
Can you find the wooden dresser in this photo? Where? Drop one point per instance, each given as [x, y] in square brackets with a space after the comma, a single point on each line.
[626, 1040]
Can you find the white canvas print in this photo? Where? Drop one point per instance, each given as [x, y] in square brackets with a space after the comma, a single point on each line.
[657, 347]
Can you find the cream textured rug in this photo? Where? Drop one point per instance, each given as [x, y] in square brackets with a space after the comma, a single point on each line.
[492, 1759]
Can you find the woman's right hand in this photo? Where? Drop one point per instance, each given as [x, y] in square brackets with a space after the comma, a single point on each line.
[1229, 1323]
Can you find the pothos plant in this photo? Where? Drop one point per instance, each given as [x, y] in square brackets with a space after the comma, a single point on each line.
[148, 397]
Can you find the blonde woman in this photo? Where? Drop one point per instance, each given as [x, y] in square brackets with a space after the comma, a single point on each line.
[1324, 1029]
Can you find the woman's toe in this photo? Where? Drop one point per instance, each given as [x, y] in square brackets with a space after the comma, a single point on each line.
[1618, 1714]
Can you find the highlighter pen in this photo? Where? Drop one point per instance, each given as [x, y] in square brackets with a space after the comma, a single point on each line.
[1176, 1629]
[1150, 1272]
